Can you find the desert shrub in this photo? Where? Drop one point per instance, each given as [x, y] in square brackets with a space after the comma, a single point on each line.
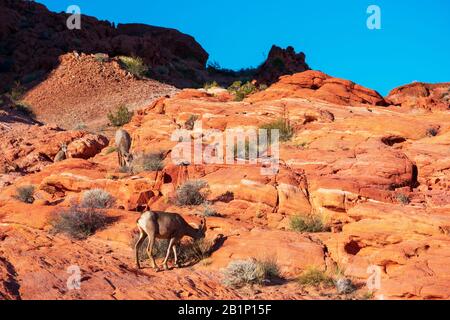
[241, 91]
[25, 194]
[269, 267]
[191, 193]
[210, 85]
[148, 162]
[248, 272]
[121, 117]
[97, 199]
[77, 222]
[17, 91]
[403, 198]
[24, 108]
[134, 65]
[314, 277]
[286, 131]
[190, 123]
[311, 224]
[432, 132]
[101, 57]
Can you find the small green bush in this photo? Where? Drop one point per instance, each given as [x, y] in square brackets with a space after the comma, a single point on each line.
[25, 194]
[286, 131]
[191, 193]
[311, 224]
[134, 65]
[77, 222]
[314, 277]
[97, 199]
[121, 117]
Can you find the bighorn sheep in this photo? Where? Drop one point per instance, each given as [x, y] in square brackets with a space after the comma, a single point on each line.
[123, 145]
[62, 153]
[165, 225]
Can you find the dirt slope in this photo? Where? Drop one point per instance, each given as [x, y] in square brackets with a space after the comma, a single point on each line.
[82, 90]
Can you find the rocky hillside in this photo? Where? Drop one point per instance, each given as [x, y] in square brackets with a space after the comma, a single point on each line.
[34, 38]
[375, 175]
[83, 89]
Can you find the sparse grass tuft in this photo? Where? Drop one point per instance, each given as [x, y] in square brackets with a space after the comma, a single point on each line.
[314, 277]
[189, 252]
[97, 199]
[403, 199]
[78, 223]
[286, 131]
[25, 194]
[121, 117]
[312, 224]
[210, 212]
[191, 193]
[134, 65]
[148, 162]
[110, 150]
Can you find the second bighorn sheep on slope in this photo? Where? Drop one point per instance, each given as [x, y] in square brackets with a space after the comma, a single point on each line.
[165, 225]
[123, 145]
[62, 153]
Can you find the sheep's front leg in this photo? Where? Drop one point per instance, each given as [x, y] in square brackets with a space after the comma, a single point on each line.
[169, 248]
[175, 256]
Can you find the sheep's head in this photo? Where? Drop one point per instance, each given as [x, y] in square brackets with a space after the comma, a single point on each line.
[202, 229]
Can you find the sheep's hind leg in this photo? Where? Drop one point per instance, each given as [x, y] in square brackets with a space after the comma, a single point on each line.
[151, 241]
[142, 236]
[169, 248]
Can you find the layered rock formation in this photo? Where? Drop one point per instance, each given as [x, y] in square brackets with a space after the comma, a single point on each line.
[374, 174]
[422, 95]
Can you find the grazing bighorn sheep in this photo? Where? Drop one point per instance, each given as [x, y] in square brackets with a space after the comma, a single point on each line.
[123, 145]
[165, 225]
[62, 153]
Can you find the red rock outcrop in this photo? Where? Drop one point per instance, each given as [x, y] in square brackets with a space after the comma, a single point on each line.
[316, 84]
[422, 95]
[280, 62]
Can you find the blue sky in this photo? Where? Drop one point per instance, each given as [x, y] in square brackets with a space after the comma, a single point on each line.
[413, 44]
